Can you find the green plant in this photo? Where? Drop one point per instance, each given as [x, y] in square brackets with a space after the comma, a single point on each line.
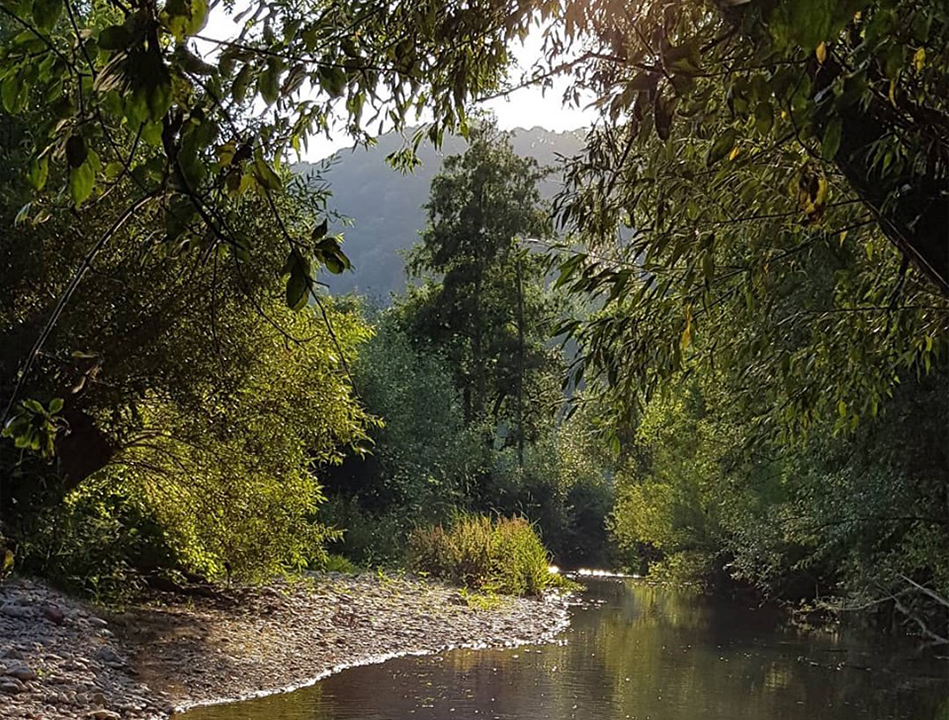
[339, 564]
[497, 556]
[480, 600]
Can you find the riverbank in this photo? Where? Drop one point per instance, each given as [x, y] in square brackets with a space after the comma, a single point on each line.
[60, 658]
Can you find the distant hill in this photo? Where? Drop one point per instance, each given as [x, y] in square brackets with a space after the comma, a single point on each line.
[386, 206]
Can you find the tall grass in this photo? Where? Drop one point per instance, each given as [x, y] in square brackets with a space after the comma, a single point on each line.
[501, 556]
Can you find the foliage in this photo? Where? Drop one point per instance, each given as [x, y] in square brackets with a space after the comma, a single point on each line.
[423, 458]
[847, 518]
[101, 542]
[481, 601]
[186, 385]
[484, 305]
[339, 564]
[146, 92]
[465, 378]
[503, 555]
[774, 167]
[367, 538]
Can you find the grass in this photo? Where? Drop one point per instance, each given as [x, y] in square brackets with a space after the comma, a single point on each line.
[481, 601]
[503, 555]
[337, 563]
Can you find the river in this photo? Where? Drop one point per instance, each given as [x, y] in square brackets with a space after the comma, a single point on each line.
[640, 652]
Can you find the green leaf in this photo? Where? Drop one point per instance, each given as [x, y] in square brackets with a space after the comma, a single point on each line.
[296, 291]
[764, 117]
[158, 97]
[46, 13]
[265, 174]
[185, 17]
[241, 83]
[268, 83]
[335, 259]
[81, 181]
[55, 405]
[664, 112]
[320, 230]
[115, 37]
[721, 147]
[34, 406]
[831, 142]
[38, 172]
[11, 94]
[332, 80]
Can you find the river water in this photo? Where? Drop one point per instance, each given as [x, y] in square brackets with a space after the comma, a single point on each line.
[643, 652]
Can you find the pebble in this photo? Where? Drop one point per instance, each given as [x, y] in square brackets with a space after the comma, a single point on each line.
[248, 639]
[54, 614]
[21, 672]
[103, 715]
[16, 611]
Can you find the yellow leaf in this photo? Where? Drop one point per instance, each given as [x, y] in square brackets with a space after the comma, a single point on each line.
[821, 53]
[734, 153]
[892, 92]
[686, 338]
[919, 59]
[842, 237]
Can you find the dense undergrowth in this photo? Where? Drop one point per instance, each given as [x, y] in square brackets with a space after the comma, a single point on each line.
[502, 555]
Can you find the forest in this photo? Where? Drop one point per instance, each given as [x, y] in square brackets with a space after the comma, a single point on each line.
[718, 356]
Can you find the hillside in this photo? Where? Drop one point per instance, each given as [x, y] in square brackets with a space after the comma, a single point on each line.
[386, 206]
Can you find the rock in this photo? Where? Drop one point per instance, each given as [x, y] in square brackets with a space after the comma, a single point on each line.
[21, 672]
[14, 654]
[12, 687]
[97, 622]
[54, 614]
[16, 611]
[103, 715]
[110, 657]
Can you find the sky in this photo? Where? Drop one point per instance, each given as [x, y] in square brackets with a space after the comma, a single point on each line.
[526, 107]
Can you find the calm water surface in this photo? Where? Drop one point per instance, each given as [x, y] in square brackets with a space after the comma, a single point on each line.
[642, 652]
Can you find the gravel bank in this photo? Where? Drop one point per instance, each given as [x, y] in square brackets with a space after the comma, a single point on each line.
[61, 659]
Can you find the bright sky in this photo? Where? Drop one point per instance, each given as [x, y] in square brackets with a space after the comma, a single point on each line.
[526, 108]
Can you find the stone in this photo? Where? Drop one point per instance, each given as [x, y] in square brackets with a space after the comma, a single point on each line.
[54, 614]
[21, 672]
[11, 687]
[97, 622]
[110, 657]
[103, 715]
[16, 611]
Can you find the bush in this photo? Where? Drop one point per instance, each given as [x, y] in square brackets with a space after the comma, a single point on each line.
[100, 542]
[339, 564]
[367, 538]
[503, 556]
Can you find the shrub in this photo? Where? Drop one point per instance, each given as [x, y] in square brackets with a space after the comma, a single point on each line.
[367, 538]
[504, 555]
[339, 564]
[99, 541]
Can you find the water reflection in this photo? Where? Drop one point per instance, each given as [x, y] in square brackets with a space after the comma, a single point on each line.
[640, 652]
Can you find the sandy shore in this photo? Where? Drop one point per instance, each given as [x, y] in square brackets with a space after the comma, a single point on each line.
[60, 658]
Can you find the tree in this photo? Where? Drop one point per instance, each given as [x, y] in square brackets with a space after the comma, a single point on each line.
[186, 396]
[485, 302]
[779, 170]
[127, 98]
